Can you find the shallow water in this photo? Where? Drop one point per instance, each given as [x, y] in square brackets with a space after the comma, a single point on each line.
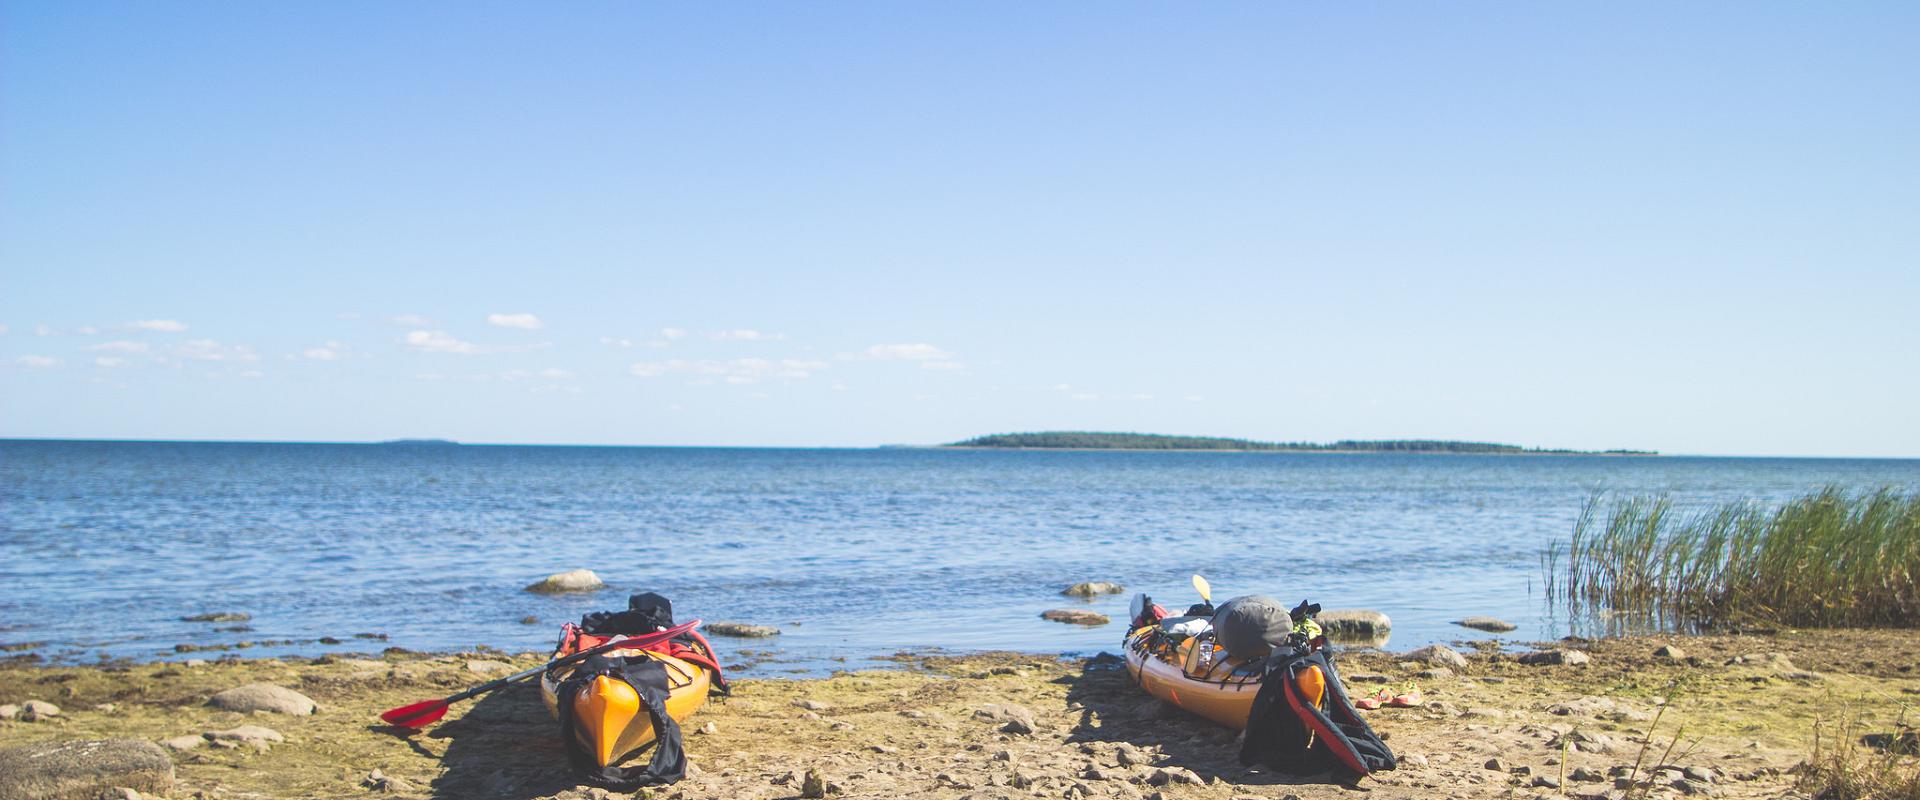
[104, 546]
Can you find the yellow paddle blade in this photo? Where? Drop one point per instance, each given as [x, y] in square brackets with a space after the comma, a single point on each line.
[1205, 589]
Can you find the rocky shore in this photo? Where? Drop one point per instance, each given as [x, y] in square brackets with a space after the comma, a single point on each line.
[1722, 716]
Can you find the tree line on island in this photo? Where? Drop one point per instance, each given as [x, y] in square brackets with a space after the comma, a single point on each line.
[1089, 440]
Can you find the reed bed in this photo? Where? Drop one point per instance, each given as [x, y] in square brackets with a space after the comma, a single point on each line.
[1833, 558]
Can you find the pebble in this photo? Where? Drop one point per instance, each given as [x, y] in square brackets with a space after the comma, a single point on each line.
[36, 710]
[814, 785]
[382, 782]
[812, 705]
[709, 729]
[1495, 765]
[85, 768]
[1556, 656]
[254, 736]
[184, 743]
[490, 668]
[1670, 652]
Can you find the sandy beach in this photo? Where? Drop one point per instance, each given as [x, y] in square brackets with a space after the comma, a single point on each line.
[1745, 709]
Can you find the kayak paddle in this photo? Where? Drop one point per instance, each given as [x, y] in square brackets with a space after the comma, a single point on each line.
[427, 712]
[1205, 589]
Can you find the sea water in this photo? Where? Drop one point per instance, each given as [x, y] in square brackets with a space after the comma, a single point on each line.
[853, 554]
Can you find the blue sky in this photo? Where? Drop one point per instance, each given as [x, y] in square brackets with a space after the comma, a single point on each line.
[1688, 227]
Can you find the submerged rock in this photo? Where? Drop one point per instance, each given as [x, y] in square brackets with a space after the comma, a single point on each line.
[1488, 624]
[1354, 622]
[1075, 616]
[579, 580]
[1093, 588]
[264, 697]
[219, 616]
[741, 630]
[84, 769]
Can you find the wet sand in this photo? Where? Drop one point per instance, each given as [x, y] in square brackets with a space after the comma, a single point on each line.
[933, 729]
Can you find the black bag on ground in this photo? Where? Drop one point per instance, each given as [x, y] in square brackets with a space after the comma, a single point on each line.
[1286, 730]
[648, 678]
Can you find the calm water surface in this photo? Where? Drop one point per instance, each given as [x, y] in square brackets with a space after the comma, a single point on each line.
[104, 546]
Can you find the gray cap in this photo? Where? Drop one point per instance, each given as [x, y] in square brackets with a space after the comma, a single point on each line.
[1250, 626]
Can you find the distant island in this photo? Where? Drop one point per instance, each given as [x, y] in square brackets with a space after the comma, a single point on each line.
[1086, 440]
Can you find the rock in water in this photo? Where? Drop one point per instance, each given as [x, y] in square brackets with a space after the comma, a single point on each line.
[741, 630]
[219, 616]
[579, 580]
[1092, 589]
[1488, 624]
[1555, 656]
[264, 697]
[1075, 616]
[1439, 655]
[84, 769]
[1354, 622]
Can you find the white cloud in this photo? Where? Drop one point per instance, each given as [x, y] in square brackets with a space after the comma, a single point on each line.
[551, 374]
[410, 321]
[738, 370]
[438, 342]
[37, 362]
[253, 374]
[44, 329]
[135, 348]
[158, 325]
[87, 330]
[331, 351]
[906, 352]
[110, 362]
[744, 335]
[523, 321]
[210, 350]
[613, 342]
[673, 333]
[4, 329]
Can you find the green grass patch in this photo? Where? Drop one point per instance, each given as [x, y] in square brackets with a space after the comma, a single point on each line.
[1833, 558]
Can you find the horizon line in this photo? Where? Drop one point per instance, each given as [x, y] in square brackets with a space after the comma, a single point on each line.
[434, 440]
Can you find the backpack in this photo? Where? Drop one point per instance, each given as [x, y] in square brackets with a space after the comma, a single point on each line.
[1292, 731]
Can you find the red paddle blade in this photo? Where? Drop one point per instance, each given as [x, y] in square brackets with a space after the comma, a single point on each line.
[418, 715]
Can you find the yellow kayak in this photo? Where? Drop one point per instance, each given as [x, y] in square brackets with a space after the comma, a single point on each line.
[1194, 676]
[610, 721]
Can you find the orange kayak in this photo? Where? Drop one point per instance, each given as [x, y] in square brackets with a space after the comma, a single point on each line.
[1193, 676]
[612, 724]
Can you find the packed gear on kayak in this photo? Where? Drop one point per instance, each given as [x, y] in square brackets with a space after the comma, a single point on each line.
[1254, 666]
[616, 705]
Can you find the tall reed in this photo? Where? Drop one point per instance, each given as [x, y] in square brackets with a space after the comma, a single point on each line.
[1832, 558]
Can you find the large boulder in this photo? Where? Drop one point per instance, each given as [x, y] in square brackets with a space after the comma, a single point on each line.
[579, 580]
[264, 697]
[1438, 655]
[1092, 589]
[84, 770]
